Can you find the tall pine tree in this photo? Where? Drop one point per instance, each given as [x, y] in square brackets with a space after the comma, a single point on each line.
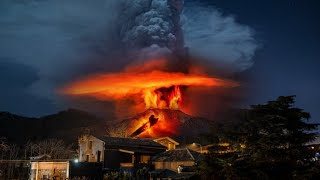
[277, 131]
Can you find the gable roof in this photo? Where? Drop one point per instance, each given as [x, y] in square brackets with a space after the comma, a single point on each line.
[177, 155]
[132, 142]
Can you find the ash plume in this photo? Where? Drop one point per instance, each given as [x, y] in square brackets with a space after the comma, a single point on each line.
[64, 40]
[151, 26]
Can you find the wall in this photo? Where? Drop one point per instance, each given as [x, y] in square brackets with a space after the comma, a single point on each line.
[97, 145]
[88, 170]
[115, 157]
[49, 170]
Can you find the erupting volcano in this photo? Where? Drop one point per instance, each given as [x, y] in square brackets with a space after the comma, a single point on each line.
[152, 33]
[155, 89]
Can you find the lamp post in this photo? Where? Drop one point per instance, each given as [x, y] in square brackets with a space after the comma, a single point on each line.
[199, 145]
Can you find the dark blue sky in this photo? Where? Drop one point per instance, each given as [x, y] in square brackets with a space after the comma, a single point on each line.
[287, 63]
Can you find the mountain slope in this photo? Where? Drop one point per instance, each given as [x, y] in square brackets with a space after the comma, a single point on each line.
[174, 123]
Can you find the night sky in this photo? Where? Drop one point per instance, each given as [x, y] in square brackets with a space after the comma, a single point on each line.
[289, 60]
[286, 62]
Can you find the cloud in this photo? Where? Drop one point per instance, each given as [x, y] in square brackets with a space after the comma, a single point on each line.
[58, 38]
[218, 38]
[15, 79]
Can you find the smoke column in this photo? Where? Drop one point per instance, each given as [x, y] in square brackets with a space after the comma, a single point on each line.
[152, 26]
[64, 40]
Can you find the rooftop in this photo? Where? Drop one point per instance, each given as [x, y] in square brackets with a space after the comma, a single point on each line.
[178, 155]
[115, 141]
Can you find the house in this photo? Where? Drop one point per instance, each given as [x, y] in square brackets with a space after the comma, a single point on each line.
[116, 153]
[167, 142]
[90, 149]
[127, 152]
[176, 160]
[43, 167]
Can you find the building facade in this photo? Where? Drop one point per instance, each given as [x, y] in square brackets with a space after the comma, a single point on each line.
[49, 170]
[90, 149]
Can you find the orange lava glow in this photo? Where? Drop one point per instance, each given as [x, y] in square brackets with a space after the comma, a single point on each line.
[150, 87]
[159, 89]
[160, 99]
[167, 124]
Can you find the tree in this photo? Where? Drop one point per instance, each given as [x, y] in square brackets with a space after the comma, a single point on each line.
[277, 131]
[55, 148]
[268, 142]
[4, 147]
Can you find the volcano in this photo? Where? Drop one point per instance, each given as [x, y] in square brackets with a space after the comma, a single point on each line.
[159, 94]
[173, 123]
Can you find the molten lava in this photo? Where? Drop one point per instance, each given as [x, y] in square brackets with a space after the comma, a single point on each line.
[152, 121]
[167, 123]
[163, 98]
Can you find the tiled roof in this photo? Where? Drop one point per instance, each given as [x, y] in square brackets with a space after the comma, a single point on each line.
[114, 141]
[178, 155]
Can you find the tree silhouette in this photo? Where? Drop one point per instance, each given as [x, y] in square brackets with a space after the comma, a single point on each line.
[277, 131]
[268, 142]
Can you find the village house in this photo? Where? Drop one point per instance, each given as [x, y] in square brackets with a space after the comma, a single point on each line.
[90, 149]
[115, 153]
[175, 159]
[175, 164]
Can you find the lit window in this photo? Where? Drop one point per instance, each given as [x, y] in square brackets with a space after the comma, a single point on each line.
[144, 159]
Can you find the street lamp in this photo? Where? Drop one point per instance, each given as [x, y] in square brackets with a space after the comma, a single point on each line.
[199, 145]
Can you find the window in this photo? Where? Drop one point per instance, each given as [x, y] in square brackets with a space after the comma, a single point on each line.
[171, 146]
[144, 159]
[87, 158]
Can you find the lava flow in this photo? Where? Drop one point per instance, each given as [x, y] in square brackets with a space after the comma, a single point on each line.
[152, 121]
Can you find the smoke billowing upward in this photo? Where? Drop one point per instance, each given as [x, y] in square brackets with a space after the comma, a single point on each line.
[151, 27]
[66, 40]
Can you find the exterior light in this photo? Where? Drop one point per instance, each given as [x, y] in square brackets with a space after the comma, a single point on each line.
[76, 160]
[198, 145]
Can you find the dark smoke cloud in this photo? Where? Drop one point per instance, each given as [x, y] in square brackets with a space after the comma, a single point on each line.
[64, 40]
[149, 22]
